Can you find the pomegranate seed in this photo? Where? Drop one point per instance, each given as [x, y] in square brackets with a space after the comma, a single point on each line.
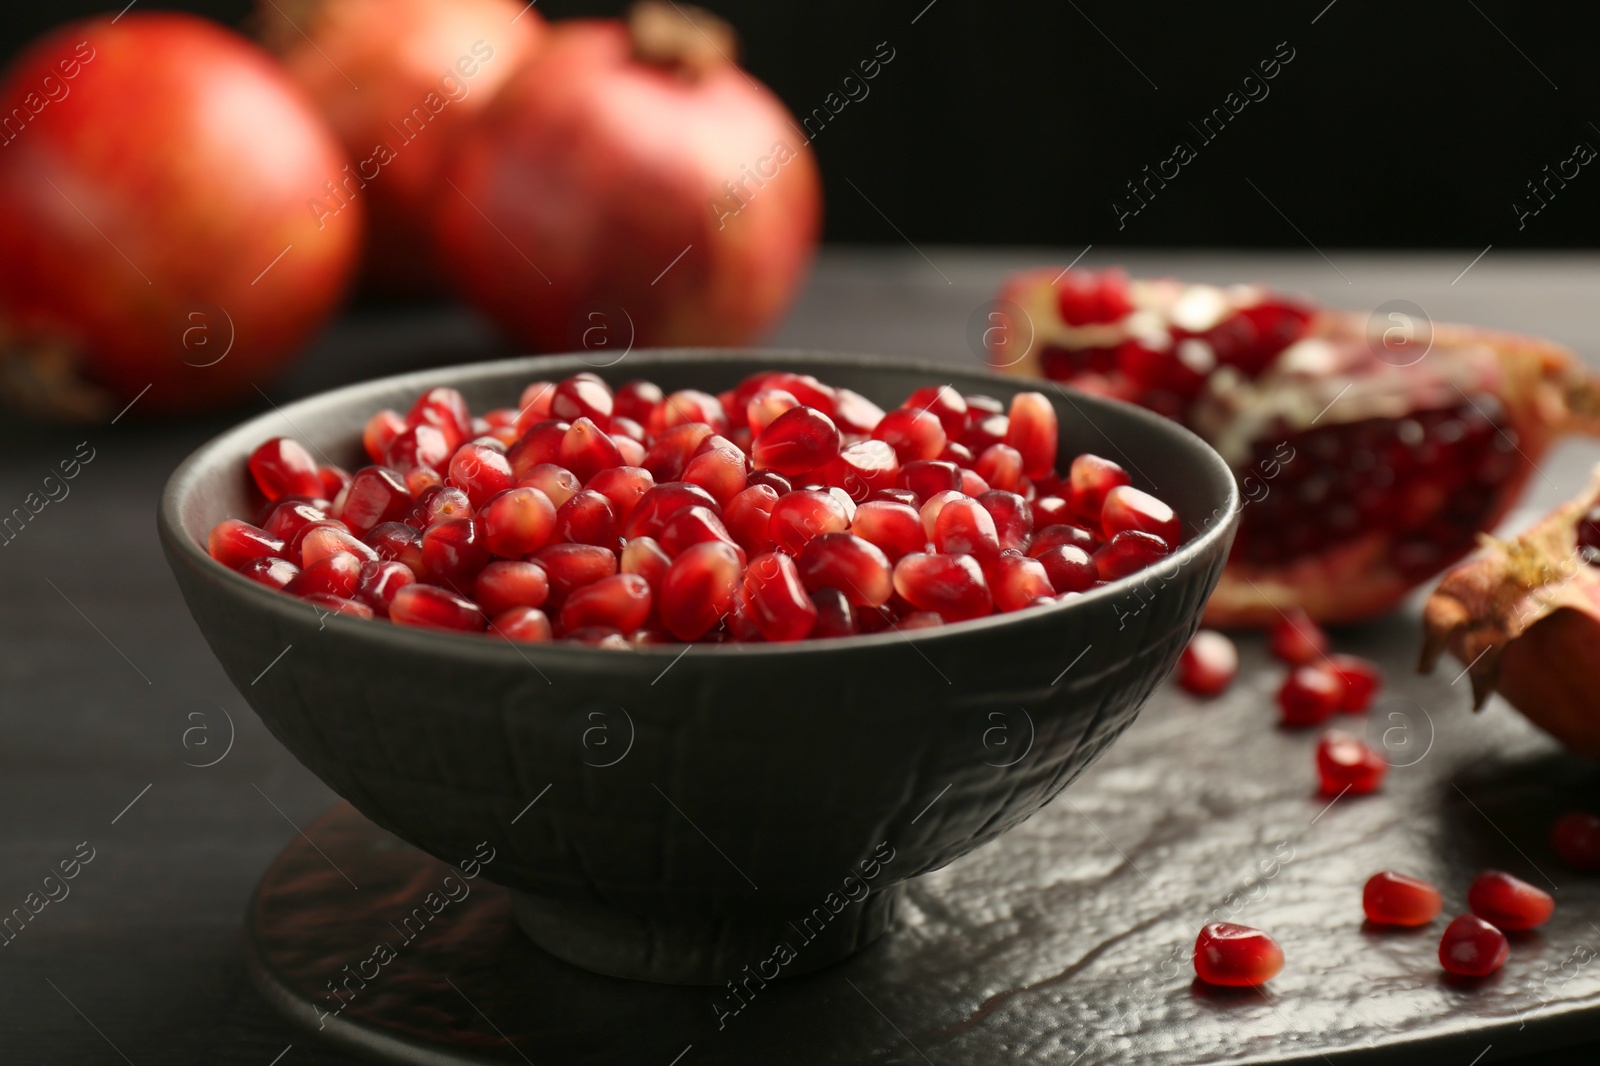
[777, 599]
[854, 413]
[721, 471]
[854, 566]
[695, 525]
[1051, 511]
[437, 504]
[767, 405]
[270, 571]
[338, 574]
[944, 403]
[624, 486]
[972, 484]
[534, 404]
[322, 540]
[661, 503]
[508, 583]
[570, 566]
[518, 521]
[1309, 696]
[1576, 838]
[1209, 663]
[1391, 898]
[963, 527]
[432, 607]
[1013, 518]
[1471, 947]
[933, 506]
[335, 480]
[339, 605]
[582, 396]
[798, 440]
[635, 400]
[527, 624]
[894, 527]
[453, 552]
[1129, 508]
[1086, 297]
[1346, 763]
[773, 480]
[398, 542]
[956, 452]
[422, 478]
[621, 601]
[1090, 478]
[1018, 581]
[380, 580]
[282, 467]
[1070, 568]
[587, 518]
[1056, 536]
[288, 518]
[539, 445]
[804, 514]
[557, 482]
[921, 620]
[645, 557]
[1001, 466]
[444, 409]
[687, 406]
[669, 456]
[418, 446]
[835, 618]
[234, 543]
[376, 494]
[1296, 639]
[1236, 956]
[586, 449]
[600, 637]
[985, 434]
[1033, 432]
[912, 434]
[1509, 902]
[1129, 552]
[905, 496]
[863, 468]
[1361, 679]
[749, 518]
[951, 586]
[697, 590]
[627, 427]
[929, 477]
[381, 429]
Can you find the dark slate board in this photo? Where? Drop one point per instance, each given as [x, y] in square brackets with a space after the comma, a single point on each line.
[1067, 941]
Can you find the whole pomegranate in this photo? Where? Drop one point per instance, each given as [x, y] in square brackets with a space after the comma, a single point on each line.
[155, 241]
[1523, 616]
[632, 180]
[1370, 454]
[398, 80]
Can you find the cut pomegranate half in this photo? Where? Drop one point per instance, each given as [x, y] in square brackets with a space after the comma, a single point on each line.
[1369, 460]
[1524, 617]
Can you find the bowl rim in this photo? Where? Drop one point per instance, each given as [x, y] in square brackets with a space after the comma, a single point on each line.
[182, 483]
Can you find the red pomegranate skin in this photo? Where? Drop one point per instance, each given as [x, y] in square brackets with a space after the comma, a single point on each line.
[601, 185]
[156, 213]
[399, 80]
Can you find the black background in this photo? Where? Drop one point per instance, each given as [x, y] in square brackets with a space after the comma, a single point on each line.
[1009, 122]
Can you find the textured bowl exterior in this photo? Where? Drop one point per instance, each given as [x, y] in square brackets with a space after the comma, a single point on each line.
[697, 797]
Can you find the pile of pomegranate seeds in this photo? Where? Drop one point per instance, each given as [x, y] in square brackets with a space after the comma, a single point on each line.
[1236, 956]
[779, 510]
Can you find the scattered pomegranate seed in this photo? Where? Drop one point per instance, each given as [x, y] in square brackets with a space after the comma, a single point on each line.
[1345, 762]
[1296, 639]
[1236, 956]
[282, 467]
[1471, 947]
[1361, 679]
[1391, 898]
[1309, 696]
[634, 517]
[1509, 902]
[1576, 838]
[1209, 663]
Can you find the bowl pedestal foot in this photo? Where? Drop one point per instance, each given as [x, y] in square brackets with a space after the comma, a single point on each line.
[712, 949]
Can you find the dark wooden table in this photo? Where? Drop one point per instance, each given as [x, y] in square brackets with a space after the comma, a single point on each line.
[112, 702]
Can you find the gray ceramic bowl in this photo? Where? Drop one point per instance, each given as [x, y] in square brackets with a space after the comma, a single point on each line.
[681, 812]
